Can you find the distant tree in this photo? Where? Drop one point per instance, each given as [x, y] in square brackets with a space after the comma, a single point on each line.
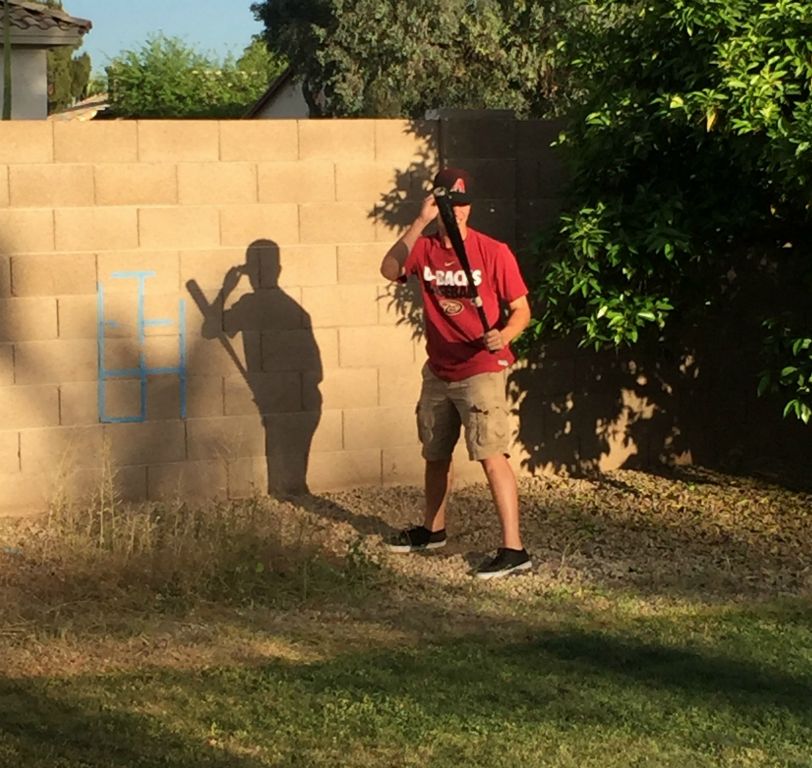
[388, 58]
[68, 75]
[169, 79]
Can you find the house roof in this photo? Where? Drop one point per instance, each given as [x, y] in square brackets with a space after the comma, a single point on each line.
[91, 108]
[37, 24]
[273, 89]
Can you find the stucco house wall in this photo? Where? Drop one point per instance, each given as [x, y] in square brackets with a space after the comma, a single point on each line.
[29, 83]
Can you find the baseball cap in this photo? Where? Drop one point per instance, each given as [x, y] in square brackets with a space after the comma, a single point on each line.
[457, 182]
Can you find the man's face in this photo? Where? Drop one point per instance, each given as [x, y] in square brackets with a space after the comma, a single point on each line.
[461, 212]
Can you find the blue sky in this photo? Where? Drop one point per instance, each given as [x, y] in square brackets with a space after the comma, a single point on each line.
[212, 26]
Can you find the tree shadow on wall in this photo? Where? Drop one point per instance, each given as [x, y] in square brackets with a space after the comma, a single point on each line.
[282, 367]
[397, 209]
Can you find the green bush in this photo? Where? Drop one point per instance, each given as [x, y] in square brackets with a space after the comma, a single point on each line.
[692, 163]
[165, 78]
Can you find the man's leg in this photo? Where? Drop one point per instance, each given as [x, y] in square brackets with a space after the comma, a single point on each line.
[505, 495]
[438, 479]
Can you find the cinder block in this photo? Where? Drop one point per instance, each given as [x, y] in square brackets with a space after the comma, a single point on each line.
[337, 139]
[164, 397]
[154, 442]
[175, 141]
[23, 494]
[52, 362]
[54, 275]
[6, 364]
[209, 357]
[4, 190]
[299, 350]
[380, 346]
[162, 228]
[242, 226]
[534, 137]
[541, 177]
[9, 452]
[478, 138]
[214, 183]
[307, 432]
[96, 229]
[247, 477]
[136, 184]
[300, 265]
[497, 218]
[370, 183]
[157, 351]
[555, 377]
[25, 407]
[297, 182]
[164, 264]
[393, 217]
[379, 427]
[97, 142]
[78, 403]
[259, 140]
[129, 483]
[43, 186]
[26, 141]
[341, 388]
[344, 469]
[263, 393]
[535, 214]
[341, 305]
[261, 310]
[401, 304]
[189, 480]
[27, 319]
[78, 317]
[204, 396]
[226, 438]
[122, 399]
[208, 267]
[5, 277]
[403, 466]
[466, 472]
[29, 230]
[59, 450]
[336, 223]
[407, 143]
[401, 385]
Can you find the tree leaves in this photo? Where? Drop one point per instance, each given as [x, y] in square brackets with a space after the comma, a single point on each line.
[691, 157]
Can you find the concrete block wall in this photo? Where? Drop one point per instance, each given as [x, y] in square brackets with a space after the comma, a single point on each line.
[197, 304]
[306, 369]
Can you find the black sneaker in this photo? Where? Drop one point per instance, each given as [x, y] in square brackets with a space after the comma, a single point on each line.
[507, 561]
[417, 539]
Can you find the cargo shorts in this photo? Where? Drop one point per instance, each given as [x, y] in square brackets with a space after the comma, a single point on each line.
[478, 403]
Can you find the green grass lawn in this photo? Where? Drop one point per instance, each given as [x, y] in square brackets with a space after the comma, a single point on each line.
[352, 658]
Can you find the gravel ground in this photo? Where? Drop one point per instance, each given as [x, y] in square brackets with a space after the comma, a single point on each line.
[691, 532]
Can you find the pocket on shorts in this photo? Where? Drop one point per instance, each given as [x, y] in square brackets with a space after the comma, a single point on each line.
[490, 427]
[425, 424]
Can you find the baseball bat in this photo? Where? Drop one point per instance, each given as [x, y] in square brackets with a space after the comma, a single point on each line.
[443, 198]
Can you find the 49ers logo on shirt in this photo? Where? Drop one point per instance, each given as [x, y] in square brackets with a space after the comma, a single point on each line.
[451, 307]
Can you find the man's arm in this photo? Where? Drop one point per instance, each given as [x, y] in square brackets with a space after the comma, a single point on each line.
[392, 264]
[517, 321]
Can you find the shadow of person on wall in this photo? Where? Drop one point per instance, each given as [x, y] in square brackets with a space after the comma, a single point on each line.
[282, 368]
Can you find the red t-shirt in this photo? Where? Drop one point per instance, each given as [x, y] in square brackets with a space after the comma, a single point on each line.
[453, 330]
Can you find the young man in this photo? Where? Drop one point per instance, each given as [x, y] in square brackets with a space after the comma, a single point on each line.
[464, 380]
